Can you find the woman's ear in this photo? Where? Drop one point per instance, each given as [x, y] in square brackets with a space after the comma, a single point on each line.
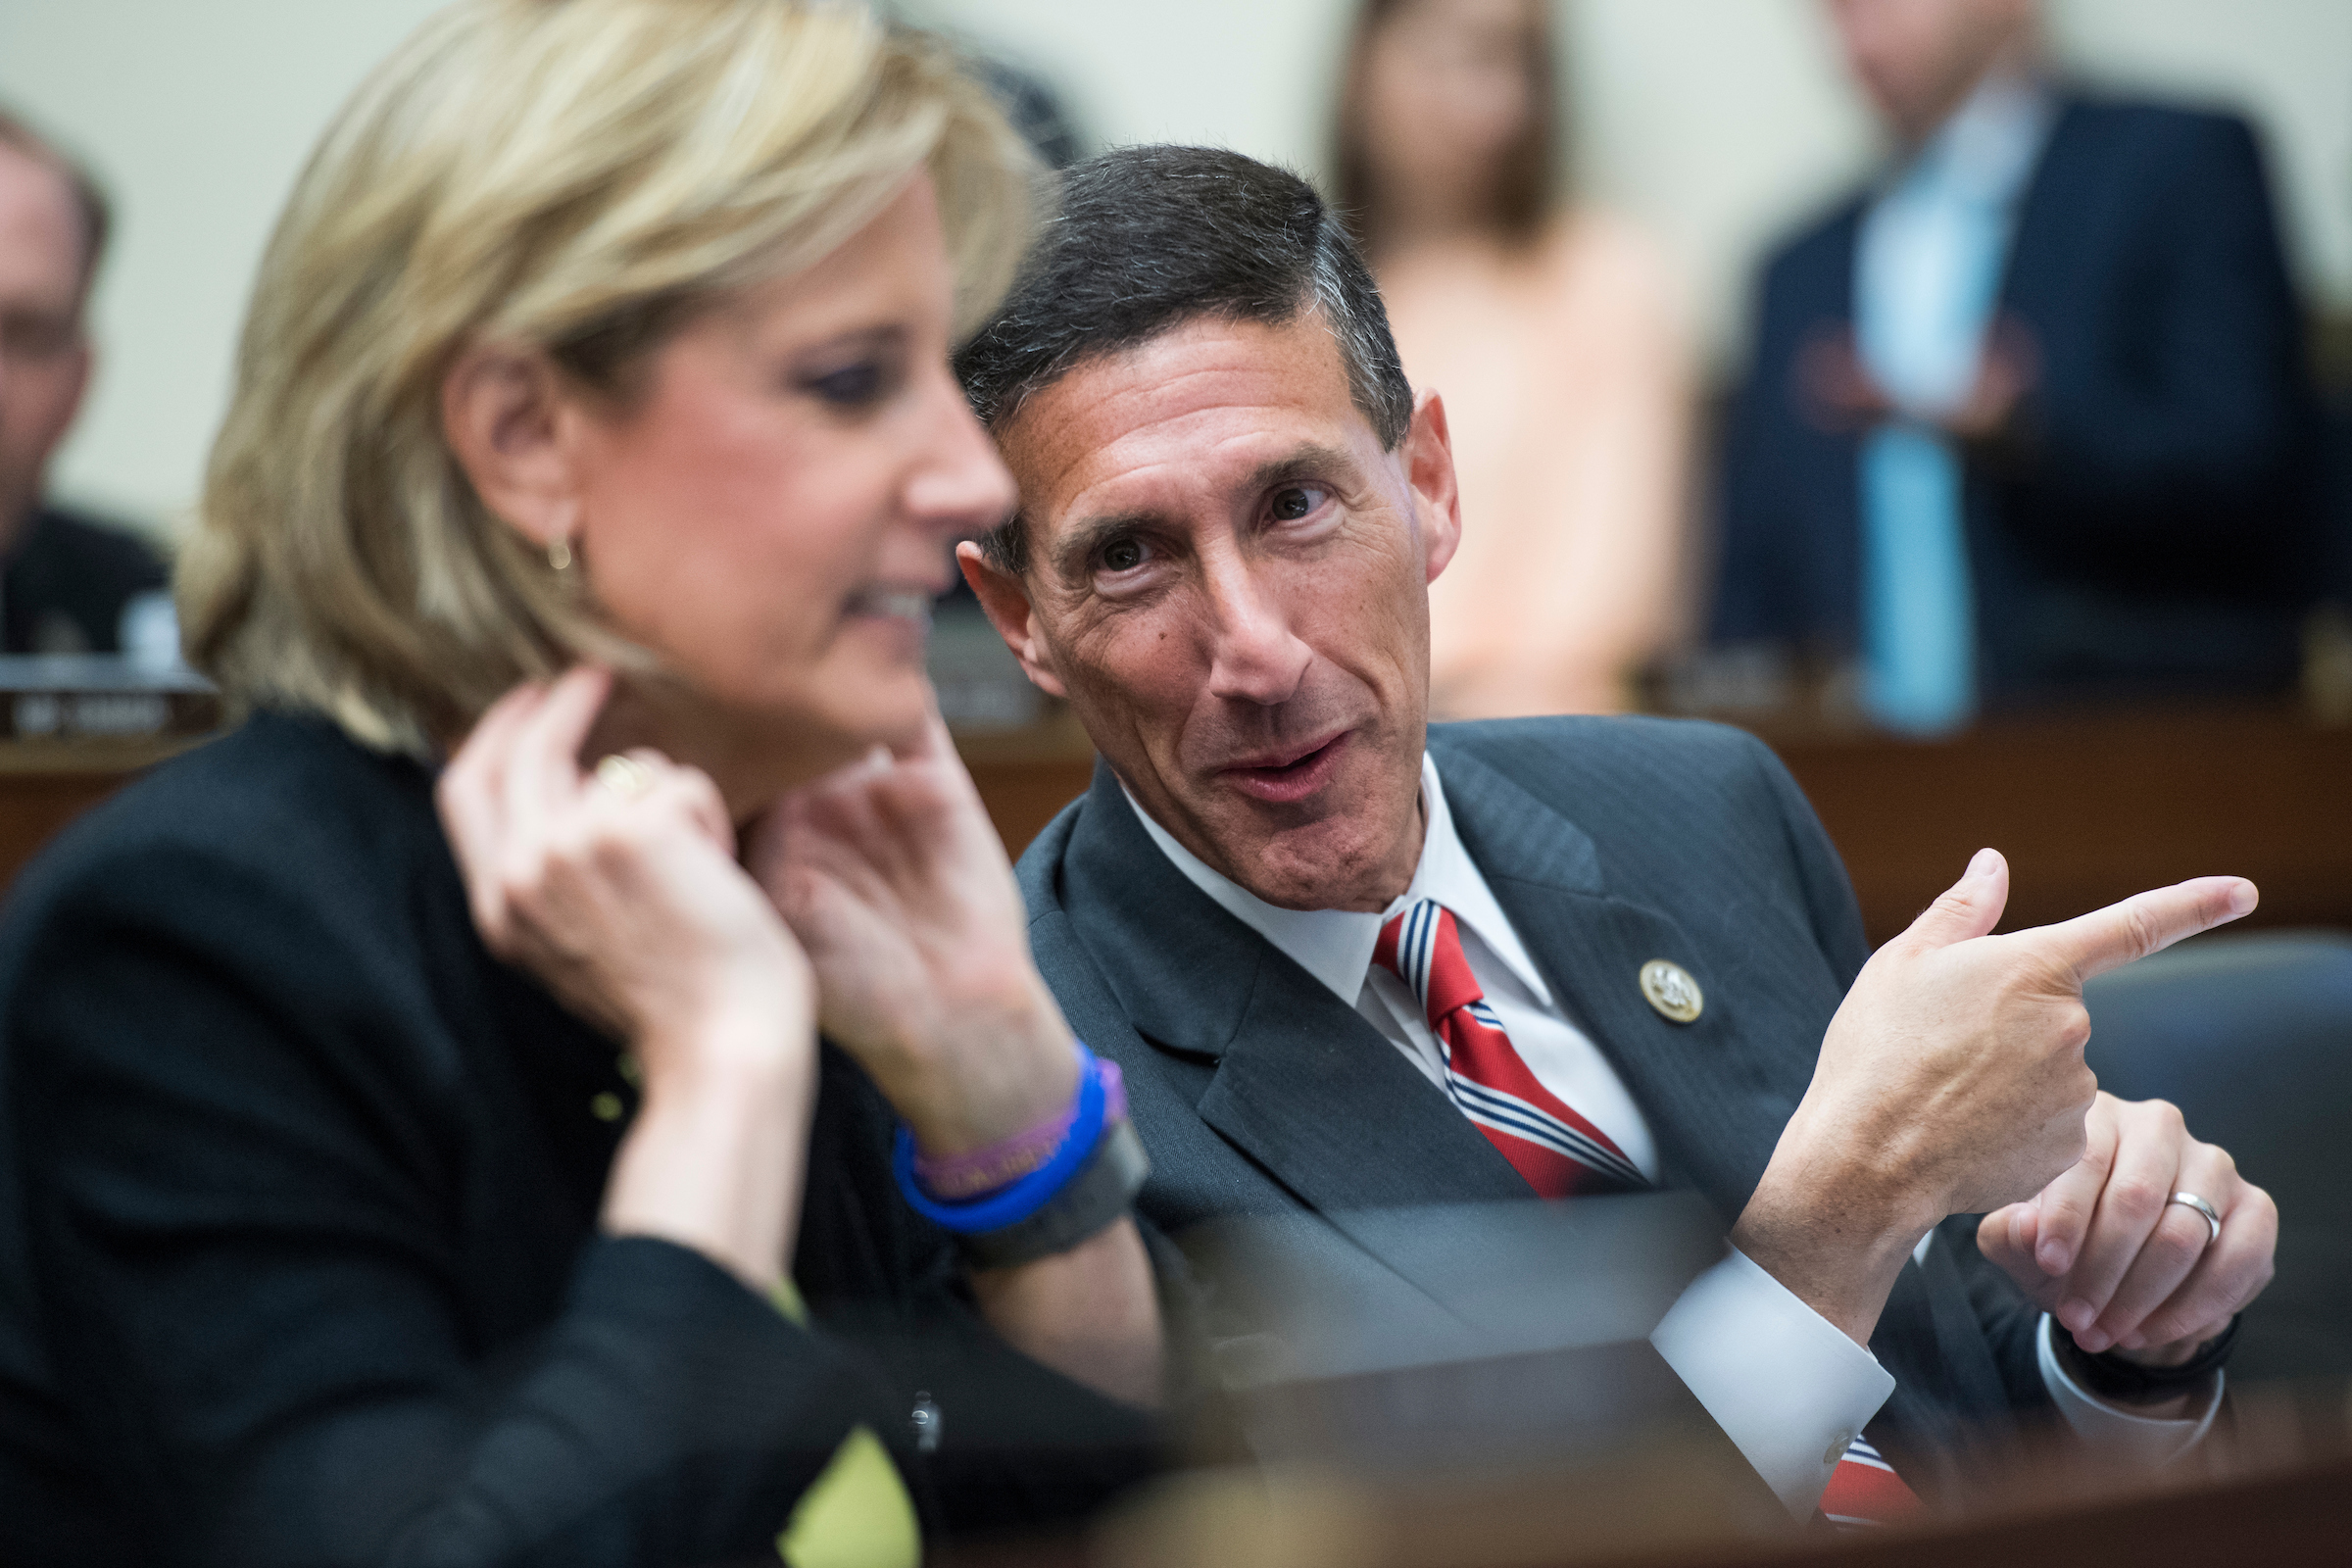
[505, 413]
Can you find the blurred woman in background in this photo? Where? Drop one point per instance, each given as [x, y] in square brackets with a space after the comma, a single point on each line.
[1550, 334]
[417, 1144]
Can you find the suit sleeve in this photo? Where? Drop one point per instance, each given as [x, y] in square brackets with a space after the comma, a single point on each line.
[250, 1297]
[2007, 1318]
[2200, 419]
[1821, 882]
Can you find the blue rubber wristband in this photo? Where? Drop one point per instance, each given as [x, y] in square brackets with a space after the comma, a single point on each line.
[1033, 1192]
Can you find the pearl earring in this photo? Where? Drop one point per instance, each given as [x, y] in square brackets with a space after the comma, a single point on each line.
[559, 555]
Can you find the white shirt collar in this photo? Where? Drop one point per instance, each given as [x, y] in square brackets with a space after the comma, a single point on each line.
[1335, 946]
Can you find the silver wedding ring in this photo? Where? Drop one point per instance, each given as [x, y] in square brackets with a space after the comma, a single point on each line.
[2192, 1201]
[625, 776]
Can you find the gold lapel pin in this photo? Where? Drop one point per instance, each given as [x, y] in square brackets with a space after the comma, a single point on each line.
[1669, 987]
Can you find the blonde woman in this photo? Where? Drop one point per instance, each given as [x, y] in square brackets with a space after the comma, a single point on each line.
[1551, 334]
[418, 1142]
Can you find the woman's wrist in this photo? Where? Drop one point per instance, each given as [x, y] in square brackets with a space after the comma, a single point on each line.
[734, 1036]
[1001, 1070]
[714, 1158]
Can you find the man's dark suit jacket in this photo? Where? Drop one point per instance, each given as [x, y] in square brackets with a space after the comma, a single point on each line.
[2149, 525]
[1609, 841]
[64, 587]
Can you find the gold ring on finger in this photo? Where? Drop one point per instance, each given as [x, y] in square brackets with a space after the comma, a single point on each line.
[625, 776]
[2212, 1219]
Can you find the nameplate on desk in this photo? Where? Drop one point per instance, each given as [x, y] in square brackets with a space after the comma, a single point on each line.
[95, 696]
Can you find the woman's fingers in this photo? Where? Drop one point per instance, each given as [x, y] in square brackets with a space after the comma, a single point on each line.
[697, 795]
[470, 797]
[476, 773]
[2150, 1145]
[542, 768]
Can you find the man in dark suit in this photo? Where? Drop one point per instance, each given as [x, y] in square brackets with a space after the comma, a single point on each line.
[1348, 962]
[2028, 417]
[66, 579]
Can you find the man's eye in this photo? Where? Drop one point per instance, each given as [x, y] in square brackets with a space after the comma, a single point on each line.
[1123, 555]
[1292, 502]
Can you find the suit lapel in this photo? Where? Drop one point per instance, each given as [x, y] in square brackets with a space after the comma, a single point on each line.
[1303, 1085]
[1710, 1100]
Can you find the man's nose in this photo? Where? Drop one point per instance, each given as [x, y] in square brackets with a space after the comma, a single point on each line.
[1255, 656]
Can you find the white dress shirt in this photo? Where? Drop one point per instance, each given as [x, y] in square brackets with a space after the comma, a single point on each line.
[1789, 1389]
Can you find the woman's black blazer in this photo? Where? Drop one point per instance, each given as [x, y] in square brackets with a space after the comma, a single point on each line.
[299, 1260]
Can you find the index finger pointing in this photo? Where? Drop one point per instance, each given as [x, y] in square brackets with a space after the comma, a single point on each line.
[2143, 923]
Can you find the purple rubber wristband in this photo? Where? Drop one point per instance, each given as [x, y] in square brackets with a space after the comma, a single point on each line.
[962, 1178]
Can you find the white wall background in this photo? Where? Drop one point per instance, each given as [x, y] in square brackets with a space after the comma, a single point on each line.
[1717, 121]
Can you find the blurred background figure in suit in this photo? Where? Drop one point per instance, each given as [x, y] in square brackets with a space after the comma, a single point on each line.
[2030, 417]
[67, 583]
[1549, 331]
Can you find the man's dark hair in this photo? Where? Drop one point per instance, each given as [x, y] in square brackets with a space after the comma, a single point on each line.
[89, 199]
[1149, 239]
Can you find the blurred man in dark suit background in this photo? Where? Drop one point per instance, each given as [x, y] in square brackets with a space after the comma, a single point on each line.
[65, 581]
[2030, 417]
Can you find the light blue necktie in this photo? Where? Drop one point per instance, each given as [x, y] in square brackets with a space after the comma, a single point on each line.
[1927, 271]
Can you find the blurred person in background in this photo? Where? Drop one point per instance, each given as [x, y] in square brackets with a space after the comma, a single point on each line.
[2029, 418]
[1549, 329]
[417, 1143]
[69, 584]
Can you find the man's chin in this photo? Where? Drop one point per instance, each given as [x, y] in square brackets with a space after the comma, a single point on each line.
[1299, 859]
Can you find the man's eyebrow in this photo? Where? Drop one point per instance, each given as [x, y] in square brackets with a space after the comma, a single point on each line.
[1303, 462]
[1088, 535]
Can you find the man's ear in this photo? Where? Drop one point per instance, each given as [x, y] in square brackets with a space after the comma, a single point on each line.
[1006, 597]
[504, 414]
[1428, 454]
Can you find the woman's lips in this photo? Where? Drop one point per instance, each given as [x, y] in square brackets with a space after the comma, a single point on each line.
[903, 604]
[1294, 781]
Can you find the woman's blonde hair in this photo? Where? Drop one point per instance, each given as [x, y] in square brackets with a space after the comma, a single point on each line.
[570, 175]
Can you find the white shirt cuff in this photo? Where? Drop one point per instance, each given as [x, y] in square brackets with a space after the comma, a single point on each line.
[2147, 1441]
[1789, 1389]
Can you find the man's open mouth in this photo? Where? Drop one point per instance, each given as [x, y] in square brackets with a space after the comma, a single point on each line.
[1280, 780]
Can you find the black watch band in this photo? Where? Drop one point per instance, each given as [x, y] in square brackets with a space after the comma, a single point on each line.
[2111, 1377]
[1099, 1195]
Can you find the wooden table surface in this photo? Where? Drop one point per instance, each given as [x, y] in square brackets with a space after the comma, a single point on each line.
[2087, 809]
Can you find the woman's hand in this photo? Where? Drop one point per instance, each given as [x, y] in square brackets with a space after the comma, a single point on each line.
[892, 877]
[629, 905]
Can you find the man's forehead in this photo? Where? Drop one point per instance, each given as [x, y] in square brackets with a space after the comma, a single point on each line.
[1202, 405]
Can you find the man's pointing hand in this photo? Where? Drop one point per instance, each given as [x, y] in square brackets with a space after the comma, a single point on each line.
[1951, 1081]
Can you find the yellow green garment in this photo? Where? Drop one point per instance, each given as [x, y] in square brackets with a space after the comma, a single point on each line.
[857, 1513]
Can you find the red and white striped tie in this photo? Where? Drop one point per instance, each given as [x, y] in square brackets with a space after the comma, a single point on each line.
[1545, 1139]
[1864, 1489]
